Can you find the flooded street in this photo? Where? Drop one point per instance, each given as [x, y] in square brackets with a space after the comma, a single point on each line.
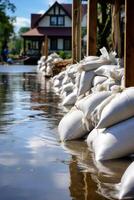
[34, 165]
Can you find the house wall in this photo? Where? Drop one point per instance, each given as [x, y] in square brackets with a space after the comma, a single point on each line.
[45, 22]
[60, 44]
[84, 21]
[68, 22]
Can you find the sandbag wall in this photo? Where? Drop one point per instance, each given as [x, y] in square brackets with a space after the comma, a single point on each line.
[45, 65]
[100, 104]
[102, 111]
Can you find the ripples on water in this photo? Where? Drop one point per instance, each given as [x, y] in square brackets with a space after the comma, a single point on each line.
[33, 163]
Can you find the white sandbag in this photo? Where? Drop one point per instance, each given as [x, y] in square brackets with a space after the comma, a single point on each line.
[61, 75]
[99, 88]
[90, 58]
[98, 80]
[70, 99]
[114, 142]
[110, 82]
[91, 138]
[43, 58]
[43, 68]
[68, 87]
[72, 70]
[49, 59]
[96, 114]
[64, 94]
[110, 56]
[117, 88]
[119, 109]
[71, 126]
[89, 103]
[55, 55]
[117, 74]
[55, 60]
[66, 79]
[92, 65]
[57, 83]
[105, 70]
[126, 186]
[49, 71]
[85, 82]
[77, 79]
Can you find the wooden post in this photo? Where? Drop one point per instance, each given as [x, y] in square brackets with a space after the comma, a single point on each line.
[129, 43]
[116, 31]
[76, 31]
[91, 27]
[46, 46]
[24, 45]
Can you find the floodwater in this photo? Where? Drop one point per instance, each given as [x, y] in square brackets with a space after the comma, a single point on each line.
[34, 165]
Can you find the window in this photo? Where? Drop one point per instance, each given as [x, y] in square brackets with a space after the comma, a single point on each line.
[53, 20]
[57, 20]
[67, 44]
[60, 20]
[53, 44]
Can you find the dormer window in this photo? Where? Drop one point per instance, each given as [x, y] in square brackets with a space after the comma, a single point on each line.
[53, 20]
[60, 20]
[57, 20]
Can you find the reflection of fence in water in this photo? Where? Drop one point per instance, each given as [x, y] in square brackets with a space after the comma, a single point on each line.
[90, 179]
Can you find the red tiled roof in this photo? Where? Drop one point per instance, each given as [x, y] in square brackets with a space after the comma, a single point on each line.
[49, 31]
[68, 8]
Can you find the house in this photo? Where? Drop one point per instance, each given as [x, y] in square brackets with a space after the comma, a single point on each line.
[54, 27]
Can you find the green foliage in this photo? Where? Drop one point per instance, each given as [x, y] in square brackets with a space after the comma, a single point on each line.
[65, 55]
[23, 30]
[6, 22]
[104, 25]
[16, 42]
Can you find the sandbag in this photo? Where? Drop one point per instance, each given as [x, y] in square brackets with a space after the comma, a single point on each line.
[126, 187]
[96, 114]
[114, 142]
[68, 87]
[57, 83]
[98, 80]
[70, 99]
[105, 70]
[120, 108]
[85, 83]
[89, 58]
[91, 138]
[61, 75]
[94, 64]
[89, 103]
[71, 126]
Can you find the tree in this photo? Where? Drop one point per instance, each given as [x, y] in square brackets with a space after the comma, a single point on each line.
[6, 22]
[104, 25]
[16, 41]
[23, 30]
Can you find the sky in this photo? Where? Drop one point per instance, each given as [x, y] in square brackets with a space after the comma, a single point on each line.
[24, 8]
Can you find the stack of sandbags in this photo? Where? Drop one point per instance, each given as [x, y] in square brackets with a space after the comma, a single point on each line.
[77, 122]
[93, 62]
[45, 66]
[88, 80]
[114, 132]
[108, 76]
[65, 85]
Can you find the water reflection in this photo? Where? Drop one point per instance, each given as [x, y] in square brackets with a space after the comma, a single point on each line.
[95, 180]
